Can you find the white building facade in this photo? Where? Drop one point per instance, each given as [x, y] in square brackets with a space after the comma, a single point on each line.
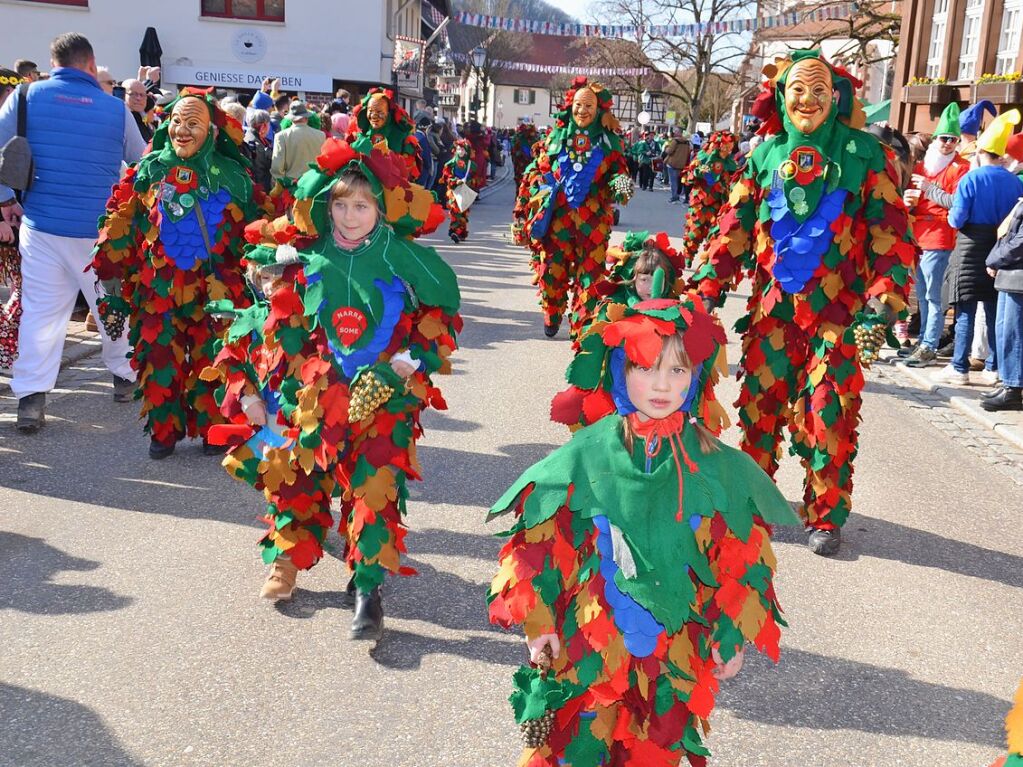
[311, 45]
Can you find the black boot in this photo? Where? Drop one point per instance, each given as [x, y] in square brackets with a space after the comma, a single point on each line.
[551, 330]
[348, 600]
[158, 451]
[1009, 398]
[208, 449]
[825, 542]
[368, 623]
[124, 389]
[993, 393]
[31, 412]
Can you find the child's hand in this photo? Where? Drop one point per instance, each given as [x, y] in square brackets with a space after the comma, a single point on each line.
[727, 670]
[544, 640]
[255, 411]
[6, 232]
[402, 368]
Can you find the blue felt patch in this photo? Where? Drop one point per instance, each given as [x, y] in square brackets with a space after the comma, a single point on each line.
[799, 248]
[182, 240]
[577, 183]
[639, 628]
[352, 360]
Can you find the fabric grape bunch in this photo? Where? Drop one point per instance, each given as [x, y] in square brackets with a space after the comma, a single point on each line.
[623, 188]
[368, 393]
[536, 700]
[870, 334]
[113, 317]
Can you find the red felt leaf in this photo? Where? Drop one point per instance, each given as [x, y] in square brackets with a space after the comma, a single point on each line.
[596, 405]
[566, 407]
[229, 434]
[701, 699]
[284, 304]
[731, 596]
[334, 155]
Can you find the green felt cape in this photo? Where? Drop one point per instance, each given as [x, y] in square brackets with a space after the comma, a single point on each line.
[606, 480]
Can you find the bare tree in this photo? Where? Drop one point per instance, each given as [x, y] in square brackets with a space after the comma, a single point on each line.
[686, 64]
[874, 22]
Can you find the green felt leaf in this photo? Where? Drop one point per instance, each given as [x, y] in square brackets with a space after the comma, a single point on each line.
[665, 697]
[292, 339]
[589, 668]
[757, 576]
[548, 583]
[373, 537]
[730, 638]
[692, 742]
[284, 519]
[585, 750]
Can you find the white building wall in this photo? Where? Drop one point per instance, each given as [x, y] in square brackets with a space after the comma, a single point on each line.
[503, 112]
[319, 40]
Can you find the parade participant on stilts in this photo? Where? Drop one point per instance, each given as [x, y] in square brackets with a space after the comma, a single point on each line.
[522, 149]
[580, 174]
[381, 118]
[817, 220]
[709, 177]
[171, 241]
[458, 170]
[324, 383]
[639, 560]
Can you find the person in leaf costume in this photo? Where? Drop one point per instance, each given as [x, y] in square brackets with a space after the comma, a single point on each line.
[171, 241]
[818, 221]
[709, 177]
[324, 381]
[580, 173]
[1014, 730]
[639, 560]
[380, 117]
[460, 169]
[522, 149]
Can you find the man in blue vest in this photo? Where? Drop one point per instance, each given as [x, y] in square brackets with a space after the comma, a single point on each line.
[79, 136]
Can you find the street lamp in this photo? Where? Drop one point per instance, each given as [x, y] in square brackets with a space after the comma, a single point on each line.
[479, 57]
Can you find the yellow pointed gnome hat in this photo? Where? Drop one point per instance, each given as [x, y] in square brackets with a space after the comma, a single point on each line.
[996, 135]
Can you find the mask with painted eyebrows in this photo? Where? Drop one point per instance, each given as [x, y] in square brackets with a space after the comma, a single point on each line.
[377, 111]
[808, 94]
[584, 107]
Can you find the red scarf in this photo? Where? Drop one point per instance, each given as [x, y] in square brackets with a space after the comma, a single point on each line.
[655, 432]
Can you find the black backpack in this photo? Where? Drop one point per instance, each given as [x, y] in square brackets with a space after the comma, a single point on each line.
[16, 167]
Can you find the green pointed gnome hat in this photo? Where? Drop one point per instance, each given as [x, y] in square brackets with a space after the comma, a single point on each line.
[948, 123]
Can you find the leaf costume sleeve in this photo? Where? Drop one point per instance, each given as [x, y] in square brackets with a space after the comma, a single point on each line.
[730, 255]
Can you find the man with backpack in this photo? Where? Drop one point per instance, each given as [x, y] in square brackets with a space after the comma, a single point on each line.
[78, 137]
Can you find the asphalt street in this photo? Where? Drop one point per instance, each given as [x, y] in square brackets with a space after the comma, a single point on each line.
[132, 633]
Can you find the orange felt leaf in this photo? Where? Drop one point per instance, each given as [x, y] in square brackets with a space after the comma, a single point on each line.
[378, 489]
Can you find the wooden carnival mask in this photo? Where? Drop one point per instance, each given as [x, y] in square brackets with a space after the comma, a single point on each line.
[584, 107]
[189, 127]
[377, 111]
[809, 93]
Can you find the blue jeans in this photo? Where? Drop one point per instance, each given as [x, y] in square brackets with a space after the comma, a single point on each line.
[673, 174]
[929, 277]
[1009, 338]
[966, 316]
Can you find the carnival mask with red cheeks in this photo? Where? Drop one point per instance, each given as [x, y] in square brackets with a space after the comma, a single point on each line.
[808, 94]
[726, 147]
[377, 111]
[189, 127]
[584, 107]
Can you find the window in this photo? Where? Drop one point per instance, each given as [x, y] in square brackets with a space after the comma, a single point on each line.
[936, 49]
[1008, 41]
[525, 96]
[971, 39]
[262, 10]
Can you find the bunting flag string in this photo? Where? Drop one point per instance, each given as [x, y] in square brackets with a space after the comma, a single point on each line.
[557, 69]
[732, 26]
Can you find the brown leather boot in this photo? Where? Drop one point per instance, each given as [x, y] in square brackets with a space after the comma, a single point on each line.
[280, 584]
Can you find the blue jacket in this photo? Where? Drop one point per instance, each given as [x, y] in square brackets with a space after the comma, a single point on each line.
[79, 135]
[984, 196]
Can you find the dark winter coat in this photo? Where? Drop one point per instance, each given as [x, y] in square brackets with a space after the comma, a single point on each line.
[260, 154]
[967, 269]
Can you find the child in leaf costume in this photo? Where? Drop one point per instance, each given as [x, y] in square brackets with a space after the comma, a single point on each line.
[817, 220]
[709, 177]
[333, 371]
[170, 242]
[580, 173]
[380, 118]
[457, 171]
[639, 558]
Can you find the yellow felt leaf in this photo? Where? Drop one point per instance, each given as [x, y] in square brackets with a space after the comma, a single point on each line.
[642, 683]
[276, 469]
[615, 654]
[752, 617]
[602, 725]
[881, 240]
[885, 190]
[541, 532]
[832, 284]
[505, 575]
[378, 489]
[831, 332]
[210, 374]
[587, 608]
[302, 212]
[306, 458]
[388, 557]
[817, 374]
[431, 327]
[845, 240]
[702, 535]
[739, 194]
[680, 652]
[539, 621]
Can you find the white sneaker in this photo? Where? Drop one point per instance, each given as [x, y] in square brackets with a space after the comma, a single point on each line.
[949, 375]
[988, 377]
